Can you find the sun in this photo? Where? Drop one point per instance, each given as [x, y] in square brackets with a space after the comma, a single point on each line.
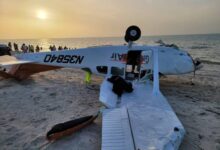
[41, 14]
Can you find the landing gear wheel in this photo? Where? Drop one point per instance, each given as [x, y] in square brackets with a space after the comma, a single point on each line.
[133, 33]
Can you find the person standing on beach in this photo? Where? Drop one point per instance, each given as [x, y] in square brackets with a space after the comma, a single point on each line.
[31, 48]
[16, 47]
[60, 48]
[54, 48]
[24, 48]
[65, 48]
[9, 45]
[37, 49]
[51, 48]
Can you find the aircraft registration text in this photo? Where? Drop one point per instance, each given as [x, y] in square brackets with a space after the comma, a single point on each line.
[73, 59]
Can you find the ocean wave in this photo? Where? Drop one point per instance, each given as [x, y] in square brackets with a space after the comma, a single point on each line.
[210, 62]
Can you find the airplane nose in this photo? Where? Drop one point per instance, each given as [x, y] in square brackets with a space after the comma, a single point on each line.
[185, 63]
[196, 63]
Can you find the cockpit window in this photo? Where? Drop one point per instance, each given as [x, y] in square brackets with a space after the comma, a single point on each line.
[117, 71]
[102, 69]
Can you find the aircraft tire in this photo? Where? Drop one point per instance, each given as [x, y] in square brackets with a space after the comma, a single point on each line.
[133, 33]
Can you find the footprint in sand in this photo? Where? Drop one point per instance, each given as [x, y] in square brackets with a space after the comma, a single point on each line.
[11, 119]
[36, 99]
[38, 121]
[49, 108]
[202, 114]
[53, 94]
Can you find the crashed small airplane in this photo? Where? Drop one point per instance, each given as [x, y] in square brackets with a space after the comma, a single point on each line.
[140, 119]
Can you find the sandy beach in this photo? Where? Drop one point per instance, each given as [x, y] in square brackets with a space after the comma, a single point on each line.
[134, 38]
[30, 108]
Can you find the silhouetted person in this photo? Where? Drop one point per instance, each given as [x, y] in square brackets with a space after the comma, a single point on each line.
[65, 48]
[51, 48]
[31, 48]
[9, 45]
[60, 48]
[16, 47]
[24, 48]
[37, 48]
[54, 48]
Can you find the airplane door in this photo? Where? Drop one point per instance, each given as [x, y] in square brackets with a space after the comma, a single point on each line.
[133, 65]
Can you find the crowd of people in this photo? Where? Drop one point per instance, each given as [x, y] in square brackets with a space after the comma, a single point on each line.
[24, 48]
[31, 49]
[53, 48]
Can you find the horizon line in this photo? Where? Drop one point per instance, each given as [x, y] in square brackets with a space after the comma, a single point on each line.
[108, 36]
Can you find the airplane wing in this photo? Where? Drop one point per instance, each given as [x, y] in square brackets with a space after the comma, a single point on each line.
[11, 60]
[21, 69]
[23, 65]
[139, 121]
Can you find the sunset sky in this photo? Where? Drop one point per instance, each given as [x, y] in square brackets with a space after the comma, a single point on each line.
[98, 18]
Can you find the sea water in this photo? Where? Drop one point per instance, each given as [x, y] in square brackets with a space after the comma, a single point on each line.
[205, 47]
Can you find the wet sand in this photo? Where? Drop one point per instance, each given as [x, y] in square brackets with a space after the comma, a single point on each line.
[30, 108]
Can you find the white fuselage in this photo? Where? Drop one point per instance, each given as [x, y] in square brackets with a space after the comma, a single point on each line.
[171, 61]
